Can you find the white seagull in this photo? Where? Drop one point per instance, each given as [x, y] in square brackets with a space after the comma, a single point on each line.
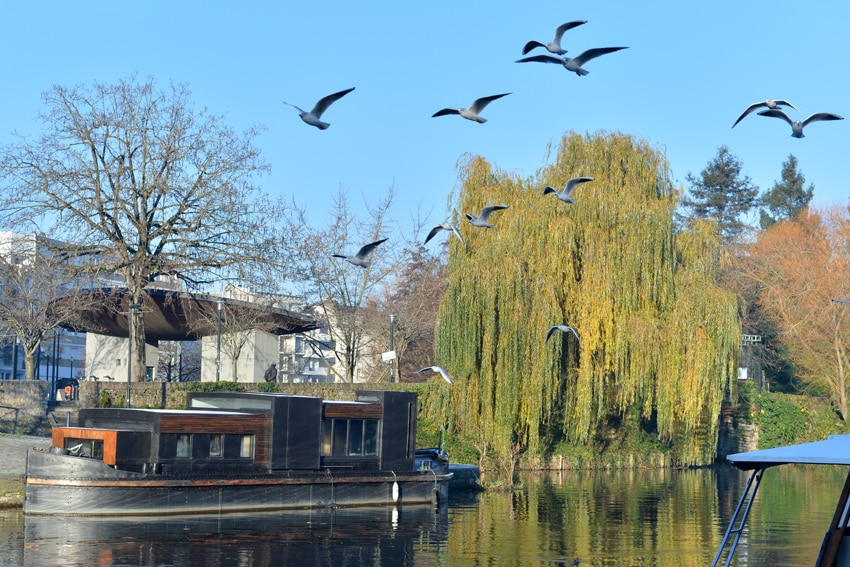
[313, 117]
[481, 220]
[565, 194]
[769, 103]
[562, 328]
[555, 45]
[443, 226]
[574, 64]
[439, 369]
[471, 113]
[359, 259]
[797, 125]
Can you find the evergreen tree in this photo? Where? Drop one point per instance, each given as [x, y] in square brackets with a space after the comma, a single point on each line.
[722, 194]
[786, 198]
[658, 337]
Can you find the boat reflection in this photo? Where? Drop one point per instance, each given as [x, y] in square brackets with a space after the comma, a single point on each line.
[344, 536]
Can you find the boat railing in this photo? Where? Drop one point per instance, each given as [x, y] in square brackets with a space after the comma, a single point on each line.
[742, 511]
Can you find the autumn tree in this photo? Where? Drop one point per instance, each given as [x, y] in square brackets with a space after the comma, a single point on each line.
[344, 294]
[722, 193]
[658, 337]
[800, 266]
[141, 183]
[414, 297]
[788, 197]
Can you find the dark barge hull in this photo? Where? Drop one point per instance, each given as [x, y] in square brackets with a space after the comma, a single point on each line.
[68, 485]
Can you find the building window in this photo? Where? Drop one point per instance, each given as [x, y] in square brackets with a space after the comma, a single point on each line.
[183, 446]
[215, 445]
[350, 437]
[246, 450]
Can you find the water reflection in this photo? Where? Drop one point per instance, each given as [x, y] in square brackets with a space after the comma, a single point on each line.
[617, 519]
[346, 536]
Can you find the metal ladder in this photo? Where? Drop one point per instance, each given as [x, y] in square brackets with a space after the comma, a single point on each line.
[739, 517]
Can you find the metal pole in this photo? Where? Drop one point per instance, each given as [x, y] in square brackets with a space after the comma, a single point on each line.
[392, 347]
[218, 341]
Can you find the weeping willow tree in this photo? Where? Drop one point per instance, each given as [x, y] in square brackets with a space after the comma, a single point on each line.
[658, 337]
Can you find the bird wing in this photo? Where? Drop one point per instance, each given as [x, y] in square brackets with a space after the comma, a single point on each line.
[444, 374]
[776, 113]
[486, 211]
[821, 116]
[326, 101]
[548, 190]
[531, 45]
[366, 250]
[559, 31]
[433, 233]
[841, 301]
[786, 103]
[749, 109]
[479, 103]
[293, 106]
[586, 56]
[575, 181]
[457, 232]
[542, 59]
[445, 111]
[551, 331]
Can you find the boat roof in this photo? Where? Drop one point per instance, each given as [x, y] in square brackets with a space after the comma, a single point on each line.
[834, 450]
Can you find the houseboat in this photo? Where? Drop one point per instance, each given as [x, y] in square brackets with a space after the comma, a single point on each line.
[835, 450]
[237, 452]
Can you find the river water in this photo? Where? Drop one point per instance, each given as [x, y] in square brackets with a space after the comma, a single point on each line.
[622, 518]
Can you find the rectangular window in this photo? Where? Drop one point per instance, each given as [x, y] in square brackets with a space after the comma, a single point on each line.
[327, 428]
[183, 446]
[215, 445]
[246, 451]
[355, 438]
[370, 437]
[340, 437]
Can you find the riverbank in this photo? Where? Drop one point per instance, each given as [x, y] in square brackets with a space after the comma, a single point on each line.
[13, 458]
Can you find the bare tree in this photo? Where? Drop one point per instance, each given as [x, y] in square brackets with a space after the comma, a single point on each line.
[413, 298]
[32, 278]
[340, 290]
[144, 184]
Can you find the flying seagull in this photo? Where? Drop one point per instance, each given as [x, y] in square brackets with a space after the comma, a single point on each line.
[562, 328]
[443, 226]
[555, 45]
[565, 194]
[797, 125]
[574, 64]
[439, 369]
[769, 103]
[359, 259]
[481, 220]
[313, 117]
[471, 113]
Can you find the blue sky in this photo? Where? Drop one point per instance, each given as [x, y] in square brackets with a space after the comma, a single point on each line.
[690, 70]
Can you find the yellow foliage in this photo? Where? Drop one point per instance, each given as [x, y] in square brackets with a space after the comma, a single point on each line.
[658, 337]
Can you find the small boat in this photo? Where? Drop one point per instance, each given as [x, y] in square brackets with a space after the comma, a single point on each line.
[237, 452]
[835, 450]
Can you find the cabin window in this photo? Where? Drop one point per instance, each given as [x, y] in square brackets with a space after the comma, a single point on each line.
[350, 437]
[85, 447]
[215, 446]
[246, 450]
[183, 446]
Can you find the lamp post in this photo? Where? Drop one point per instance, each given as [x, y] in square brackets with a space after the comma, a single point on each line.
[218, 341]
[392, 347]
[134, 307]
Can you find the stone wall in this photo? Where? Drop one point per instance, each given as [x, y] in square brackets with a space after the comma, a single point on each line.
[23, 407]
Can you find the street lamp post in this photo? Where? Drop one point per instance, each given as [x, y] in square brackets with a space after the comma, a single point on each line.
[218, 341]
[134, 307]
[392, 347]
